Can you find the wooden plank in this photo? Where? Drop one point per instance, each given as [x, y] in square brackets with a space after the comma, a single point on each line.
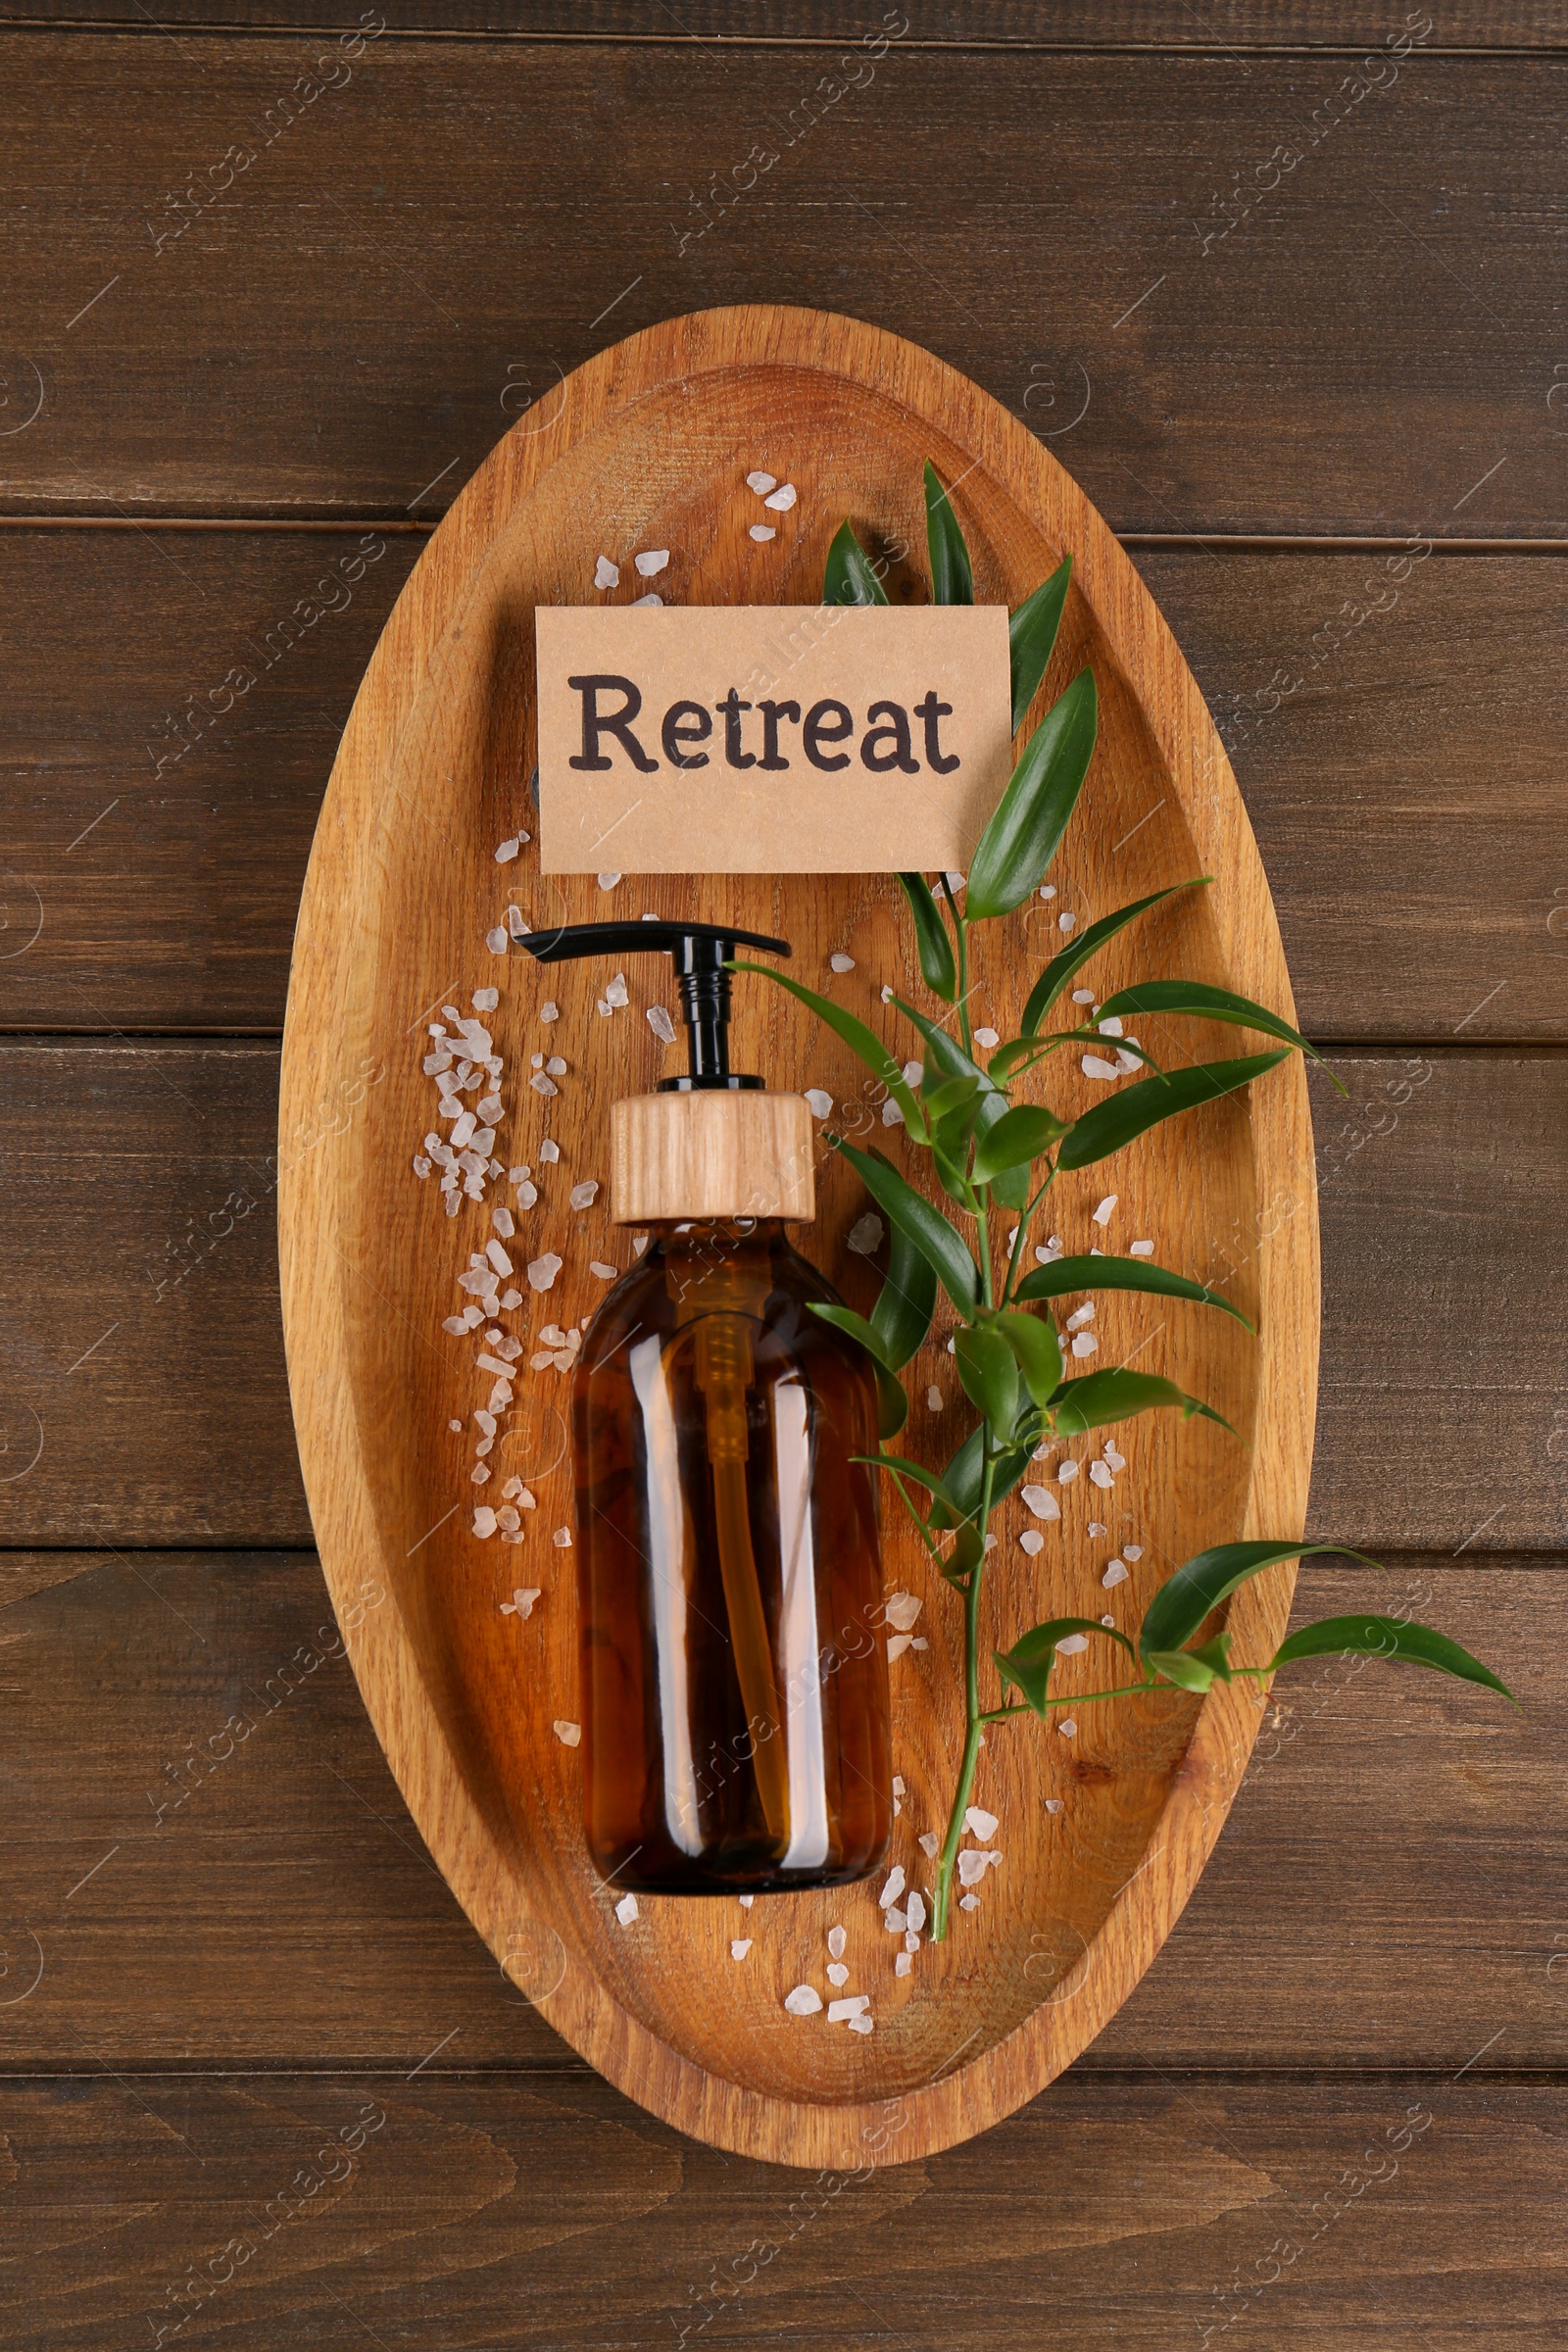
[1228, 27]
[1406, 793]
[1088, 262]
[144, 1339]
[362, 2208]
[206, 1861]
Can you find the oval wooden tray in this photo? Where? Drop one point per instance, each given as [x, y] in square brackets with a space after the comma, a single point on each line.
[649, 446]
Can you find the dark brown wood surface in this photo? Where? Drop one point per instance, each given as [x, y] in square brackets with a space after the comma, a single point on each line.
[1335, 2112]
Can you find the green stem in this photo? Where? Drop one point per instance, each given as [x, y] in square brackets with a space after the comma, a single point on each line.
[926, 1537]
[961, 928]
[1087, 1698]
[973, 1719]
[1021, 1236]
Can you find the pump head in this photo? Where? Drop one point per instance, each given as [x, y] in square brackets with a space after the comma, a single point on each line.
[699, 953]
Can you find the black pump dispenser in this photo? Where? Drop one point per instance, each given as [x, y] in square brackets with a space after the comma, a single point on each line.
[699, 953]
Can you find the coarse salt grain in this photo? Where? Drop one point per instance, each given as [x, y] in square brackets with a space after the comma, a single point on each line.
[987, 1038]
[836, 1941]
[1133, 1551]
[1031, 1541]
[1101, 1215]
[933, 1399]
[569, 1734]
[651, 597]
[929, 1842]
[1067, 1728]
[896, 1645]
[1115, 1574]
[652, 560]
[1085, 1343]
[1072, 1644]
[516, 924]
[1141, 1249]
[660, 1022]
[893, 1920]
[498, 1257]
[972, 1865]
[542, 1084]
[626, 1910]
[892, 1114]
[1066, 922]
[496, 940]
[1043, 1504]
[605, 574]
[901, 1609]
[746, 1901]
[607, 881]
[484, 1520]
[616, 992]
[819, 1103]
[840, 962]
[739, 1946]
[915, 1910]
[968, 1902]
[523, 1599]
[903, 1965]
[561, 1538]
[803, 2001]
[542, 1271]
[1095, 1066]
[763, 530]
[981, 1824]
[1083, 995]
[1066, 1472]
[865, 1234]
[506, 850]
[1053, 1804]
[782, 499]
[762, 482]
[894, 1888]
[600, 1271]
[853, 2004]
[549, 1150]
[1099, 1473]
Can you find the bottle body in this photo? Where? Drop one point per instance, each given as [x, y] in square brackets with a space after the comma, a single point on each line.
[734, 1691]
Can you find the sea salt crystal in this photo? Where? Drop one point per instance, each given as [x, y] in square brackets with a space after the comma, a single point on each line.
[506, 850]
[1115, 1574]
[1133, 1551]
[542, 1084]
[853, 2004]
[608, 881]
[542, 1271]
[456, 1326]
[516, 924]
[762, 531]
[605, 574]
[600, 1271]
[968, 1902]
[502, 1220]
[901, 1609]
[496, 940]
[498, 1257]
[818, 1102]
[1110, 1026]
[1043, 1504]
[893, 1920]
[739, 1946]
[549, 1150]
[980, 1824]
[1047, 890]
[422, 1166]
[1098, 1472]
[1053, 1804]
[892, 1116]
[987, 1038]
[1085, 1343]
[651, 597]
[896, 1645]
[652, 560]
[929, 1842]
[915, 1909]
[746, 1901]
[626, 1910]
[561, 1538]
[1072, 1644]
[616, 990]
[569, 1734]
[1101, 1215]
[1141, 1249]
[1031, 1541]
[1081, 1316]
[1066, 1472]
[1083, 995]
[933, 1399]
[804, 2001]
[549, 1010]
[840, 962]
[782, 499]
[484, 1520]
[1066, 922]
[1095, 1066]
[836, 1973]
[972, 1867]
[865, 1234]
[1067, 1728]
[762, 482]
[1043, 1257]
[894, 1888]
[1094, 1528]
[463, 1131]
[660, 1022]
[527, 1194]
[836, 1941]
[582, 1196]
[903, 1965]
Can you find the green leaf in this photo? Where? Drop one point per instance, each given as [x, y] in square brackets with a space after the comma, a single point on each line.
[928, 1479]
[1016, 1139]
[1064, 1275]
[1186, 1599]
[945, 1099]
[961, 1478]
[892, 1405]
[951, 581]
[1212, 1003]
[1062, 968]
[1181, 1667]
[989, 1372]
[861, 1041]
[1116, 1395]
[906, 1302]
[1371, 1637]
[1027, 1665]
[849, 579]
[1031, 636]
[1038, 1349]
[1115, 1122]
[926, 1227]
[968, 1551]
[943, 1048]
[1033, 814]
[937, 967]
[1216, 1657]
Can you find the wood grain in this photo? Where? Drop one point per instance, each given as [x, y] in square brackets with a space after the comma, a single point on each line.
[132, 1159]
[653, 444]
[1036, 219]
[259, 1891]
[177, 910]
[502, 2213]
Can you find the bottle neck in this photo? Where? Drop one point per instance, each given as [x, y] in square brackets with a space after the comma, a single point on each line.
[716, 1265]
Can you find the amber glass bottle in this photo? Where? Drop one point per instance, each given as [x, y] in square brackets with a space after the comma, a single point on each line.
[734, 1686]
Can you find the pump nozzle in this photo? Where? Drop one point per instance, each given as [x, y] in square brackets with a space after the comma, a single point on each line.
[699, 953]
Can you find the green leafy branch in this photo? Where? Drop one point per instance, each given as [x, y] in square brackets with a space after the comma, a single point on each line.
[993, 1148]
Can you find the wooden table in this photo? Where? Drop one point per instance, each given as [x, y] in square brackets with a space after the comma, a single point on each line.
[272, 294]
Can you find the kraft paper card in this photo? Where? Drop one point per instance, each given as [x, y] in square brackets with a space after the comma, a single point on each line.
[769, 738]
